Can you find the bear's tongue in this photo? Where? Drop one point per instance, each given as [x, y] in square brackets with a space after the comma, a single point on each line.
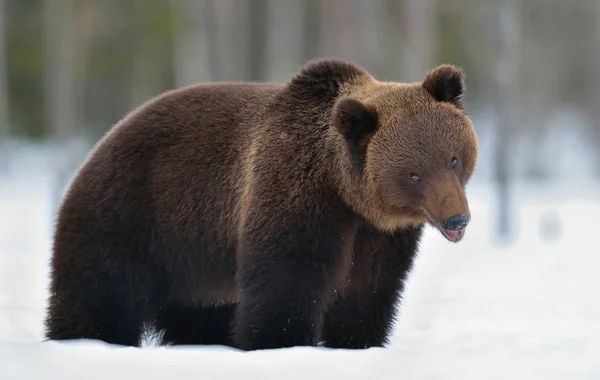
[453, 236]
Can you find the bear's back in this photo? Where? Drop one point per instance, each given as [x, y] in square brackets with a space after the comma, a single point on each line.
[164, 181]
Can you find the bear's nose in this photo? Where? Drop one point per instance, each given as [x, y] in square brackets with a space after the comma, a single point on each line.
[456, 222]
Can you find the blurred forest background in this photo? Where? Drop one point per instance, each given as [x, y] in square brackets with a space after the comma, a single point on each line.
[70, 69]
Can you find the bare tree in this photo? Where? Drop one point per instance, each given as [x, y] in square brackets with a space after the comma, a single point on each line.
[4, 99]
[367, 38]
[394, 44]
[4, 117]
[311, 47]
[214, 49]
[286, 38]
[419, 18]
[60, 88]
[336, 32]
[191, 55]
[595, 127]
[59, 65]
[348, 30]
[506, 72]
[257, 33]
[144, 82]
[229, 47]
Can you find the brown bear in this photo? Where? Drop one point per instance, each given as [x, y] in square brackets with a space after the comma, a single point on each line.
[262, 215]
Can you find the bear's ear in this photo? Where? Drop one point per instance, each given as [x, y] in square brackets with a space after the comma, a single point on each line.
[446, 83]
[354, 120]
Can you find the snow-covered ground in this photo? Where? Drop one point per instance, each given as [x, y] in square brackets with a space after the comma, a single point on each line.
[475, 310]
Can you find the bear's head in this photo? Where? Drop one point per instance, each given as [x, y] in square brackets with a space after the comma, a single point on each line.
[408, 150]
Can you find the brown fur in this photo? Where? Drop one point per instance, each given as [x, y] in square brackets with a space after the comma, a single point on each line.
[285, 212]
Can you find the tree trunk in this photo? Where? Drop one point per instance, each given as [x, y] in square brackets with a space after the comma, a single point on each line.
[395, 47]
[60, 89]
[4, 94]
[144, 82]
[506, 72]
[420, 41]
[311, 47]
[285, 38]
[4, 99]
[229, 48]
[258, 14]
[59, 66]
[214, 49]
[191, 56]
[596, 87]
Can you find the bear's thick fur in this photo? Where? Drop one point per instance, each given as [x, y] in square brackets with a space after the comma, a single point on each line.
[262, 215]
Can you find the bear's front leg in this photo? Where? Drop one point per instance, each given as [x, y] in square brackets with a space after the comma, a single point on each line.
[363, 315]
[286, 271]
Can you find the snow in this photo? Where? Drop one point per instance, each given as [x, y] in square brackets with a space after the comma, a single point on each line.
[523, 309]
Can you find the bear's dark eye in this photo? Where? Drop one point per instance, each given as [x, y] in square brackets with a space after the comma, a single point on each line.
[454, 163]
[415, 177]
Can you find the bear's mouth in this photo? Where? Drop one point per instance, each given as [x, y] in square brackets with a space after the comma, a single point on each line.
[453, 236]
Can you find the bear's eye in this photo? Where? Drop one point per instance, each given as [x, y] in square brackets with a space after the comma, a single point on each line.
[454, 163]
[415, 177]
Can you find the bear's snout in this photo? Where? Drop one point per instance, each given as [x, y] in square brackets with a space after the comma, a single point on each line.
[447, 207]
[456, 222]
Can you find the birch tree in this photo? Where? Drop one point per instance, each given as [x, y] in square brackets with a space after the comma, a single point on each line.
[257, 35]
[506, 72]
[59, 92]
[4, 99]
[191, 55]
[287, 39]
[311, 47]
[59, 65]
[419, 18]
[596, 84]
